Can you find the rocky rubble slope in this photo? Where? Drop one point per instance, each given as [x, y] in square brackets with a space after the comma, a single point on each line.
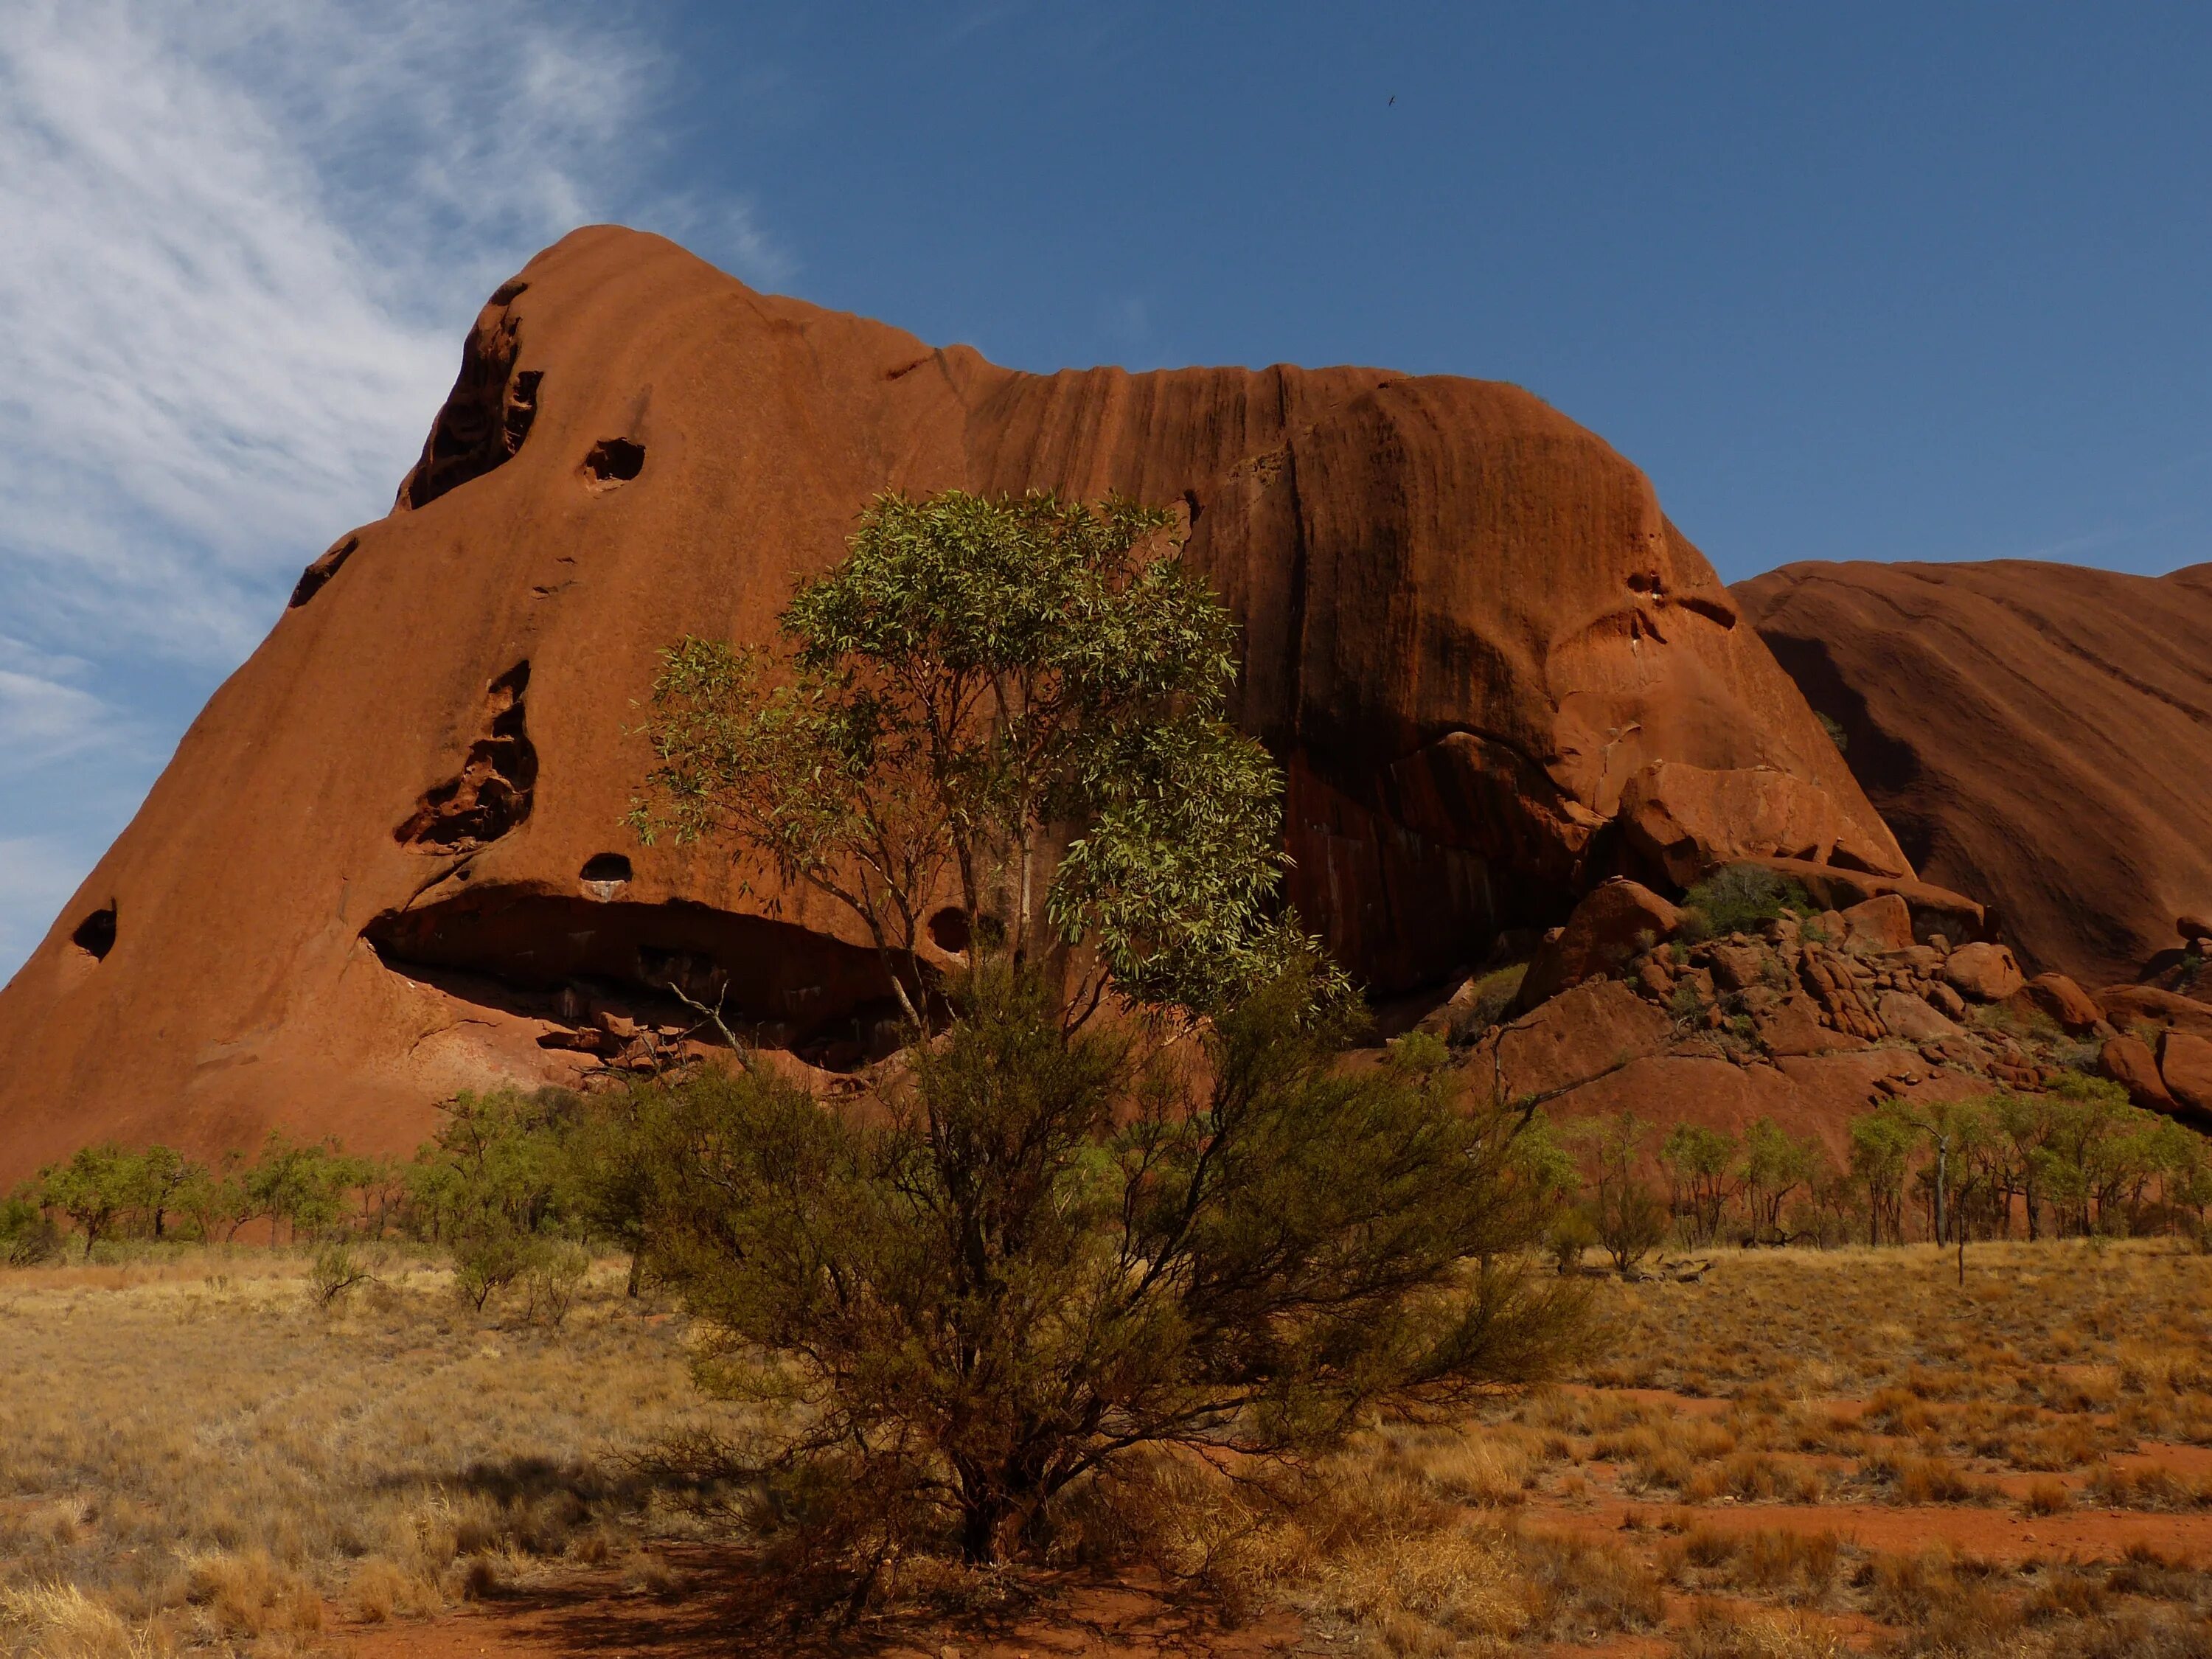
[1812, 1019]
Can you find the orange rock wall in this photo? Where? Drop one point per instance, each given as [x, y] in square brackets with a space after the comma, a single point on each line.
[1469, 628]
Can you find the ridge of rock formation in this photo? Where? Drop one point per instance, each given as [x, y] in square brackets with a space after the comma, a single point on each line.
[388, 862]
[2038, 735]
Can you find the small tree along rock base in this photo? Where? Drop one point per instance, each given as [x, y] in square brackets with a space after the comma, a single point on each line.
[1122, 1191]
[1049, 1250]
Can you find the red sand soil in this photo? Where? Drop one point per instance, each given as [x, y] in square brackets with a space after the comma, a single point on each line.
[592, 1614]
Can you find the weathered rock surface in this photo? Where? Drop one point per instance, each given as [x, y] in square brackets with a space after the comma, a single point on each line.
[2185, 1064]
[1615, 921]
[387, 860]
[2131, 1006]
[2038, 736]
[1881, 923]
[1987, 972]
[2059, 996]
[1905, 1015]
[2129, 1062]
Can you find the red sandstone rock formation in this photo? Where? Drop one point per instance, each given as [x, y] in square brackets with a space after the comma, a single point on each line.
[387, 860]
[2038, 736]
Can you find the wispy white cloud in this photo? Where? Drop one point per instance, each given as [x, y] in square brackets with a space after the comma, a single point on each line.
[243, 239]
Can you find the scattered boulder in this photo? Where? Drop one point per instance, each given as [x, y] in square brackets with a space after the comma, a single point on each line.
[1737, 967]
[1794, 1028]
[2147, 1004]
[2184, 1062]
[1947, 1001]
[1907, 1015]
[2128, 1062]
[1883, 923]
[1587, 1031]
[1986, 973]
[2055, 995]
[1688, 820]
[1615, 921]
[2195, 931]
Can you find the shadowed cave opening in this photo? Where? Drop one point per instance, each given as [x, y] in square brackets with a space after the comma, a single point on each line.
[491, 793]
[614, 460]
[95, 934]
[599, 965]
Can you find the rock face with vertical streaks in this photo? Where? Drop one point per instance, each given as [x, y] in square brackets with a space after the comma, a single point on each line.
[387, 859]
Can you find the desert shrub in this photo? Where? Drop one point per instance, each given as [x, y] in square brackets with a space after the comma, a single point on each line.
[1055, 1248]
[553, 1277]
[1572, 1233]
[1741, 898]
[1491, 1000]
[1628, 1218]
[335, 1269]
[27, 1235]
[488, 1258]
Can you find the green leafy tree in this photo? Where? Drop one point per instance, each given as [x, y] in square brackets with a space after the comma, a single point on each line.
[1626, 1216]
[1775, 1164]
[1699, 1162]
[979, 684]
[214, 1200]
[1049, 1250]
[1883, 1145]
[96, 1189]
[497, 1184]
[27, 1235]
[299, 1186]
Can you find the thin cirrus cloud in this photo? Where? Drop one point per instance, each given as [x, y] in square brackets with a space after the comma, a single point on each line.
[243, 243]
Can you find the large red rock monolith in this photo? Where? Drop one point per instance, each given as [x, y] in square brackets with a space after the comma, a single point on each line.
[388, 860]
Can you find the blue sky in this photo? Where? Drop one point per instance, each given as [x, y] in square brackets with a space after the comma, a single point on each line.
[1868, 282]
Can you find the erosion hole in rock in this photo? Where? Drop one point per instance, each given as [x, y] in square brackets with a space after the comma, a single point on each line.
[311, 580]
[949, 930]
[488, 412]
[613, 461]
[491, 793]
[95, 934]
[575, 960]
[604, 875]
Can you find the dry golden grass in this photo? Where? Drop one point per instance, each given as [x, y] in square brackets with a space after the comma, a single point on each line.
[192, 1458]
[191, 1454]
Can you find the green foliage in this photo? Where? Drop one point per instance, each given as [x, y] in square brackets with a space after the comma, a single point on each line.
[1883, 1143]
[337, 1268]
[1741, 898]
[95, 1188]
[1699, 1162]
[505, 1175]
[1834, 728]
[27, 1235]
[1490, 999]
[1055, 1248]
[1775, 1165]
[1629, 1220]
[978, 681]
[1572, 1232]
